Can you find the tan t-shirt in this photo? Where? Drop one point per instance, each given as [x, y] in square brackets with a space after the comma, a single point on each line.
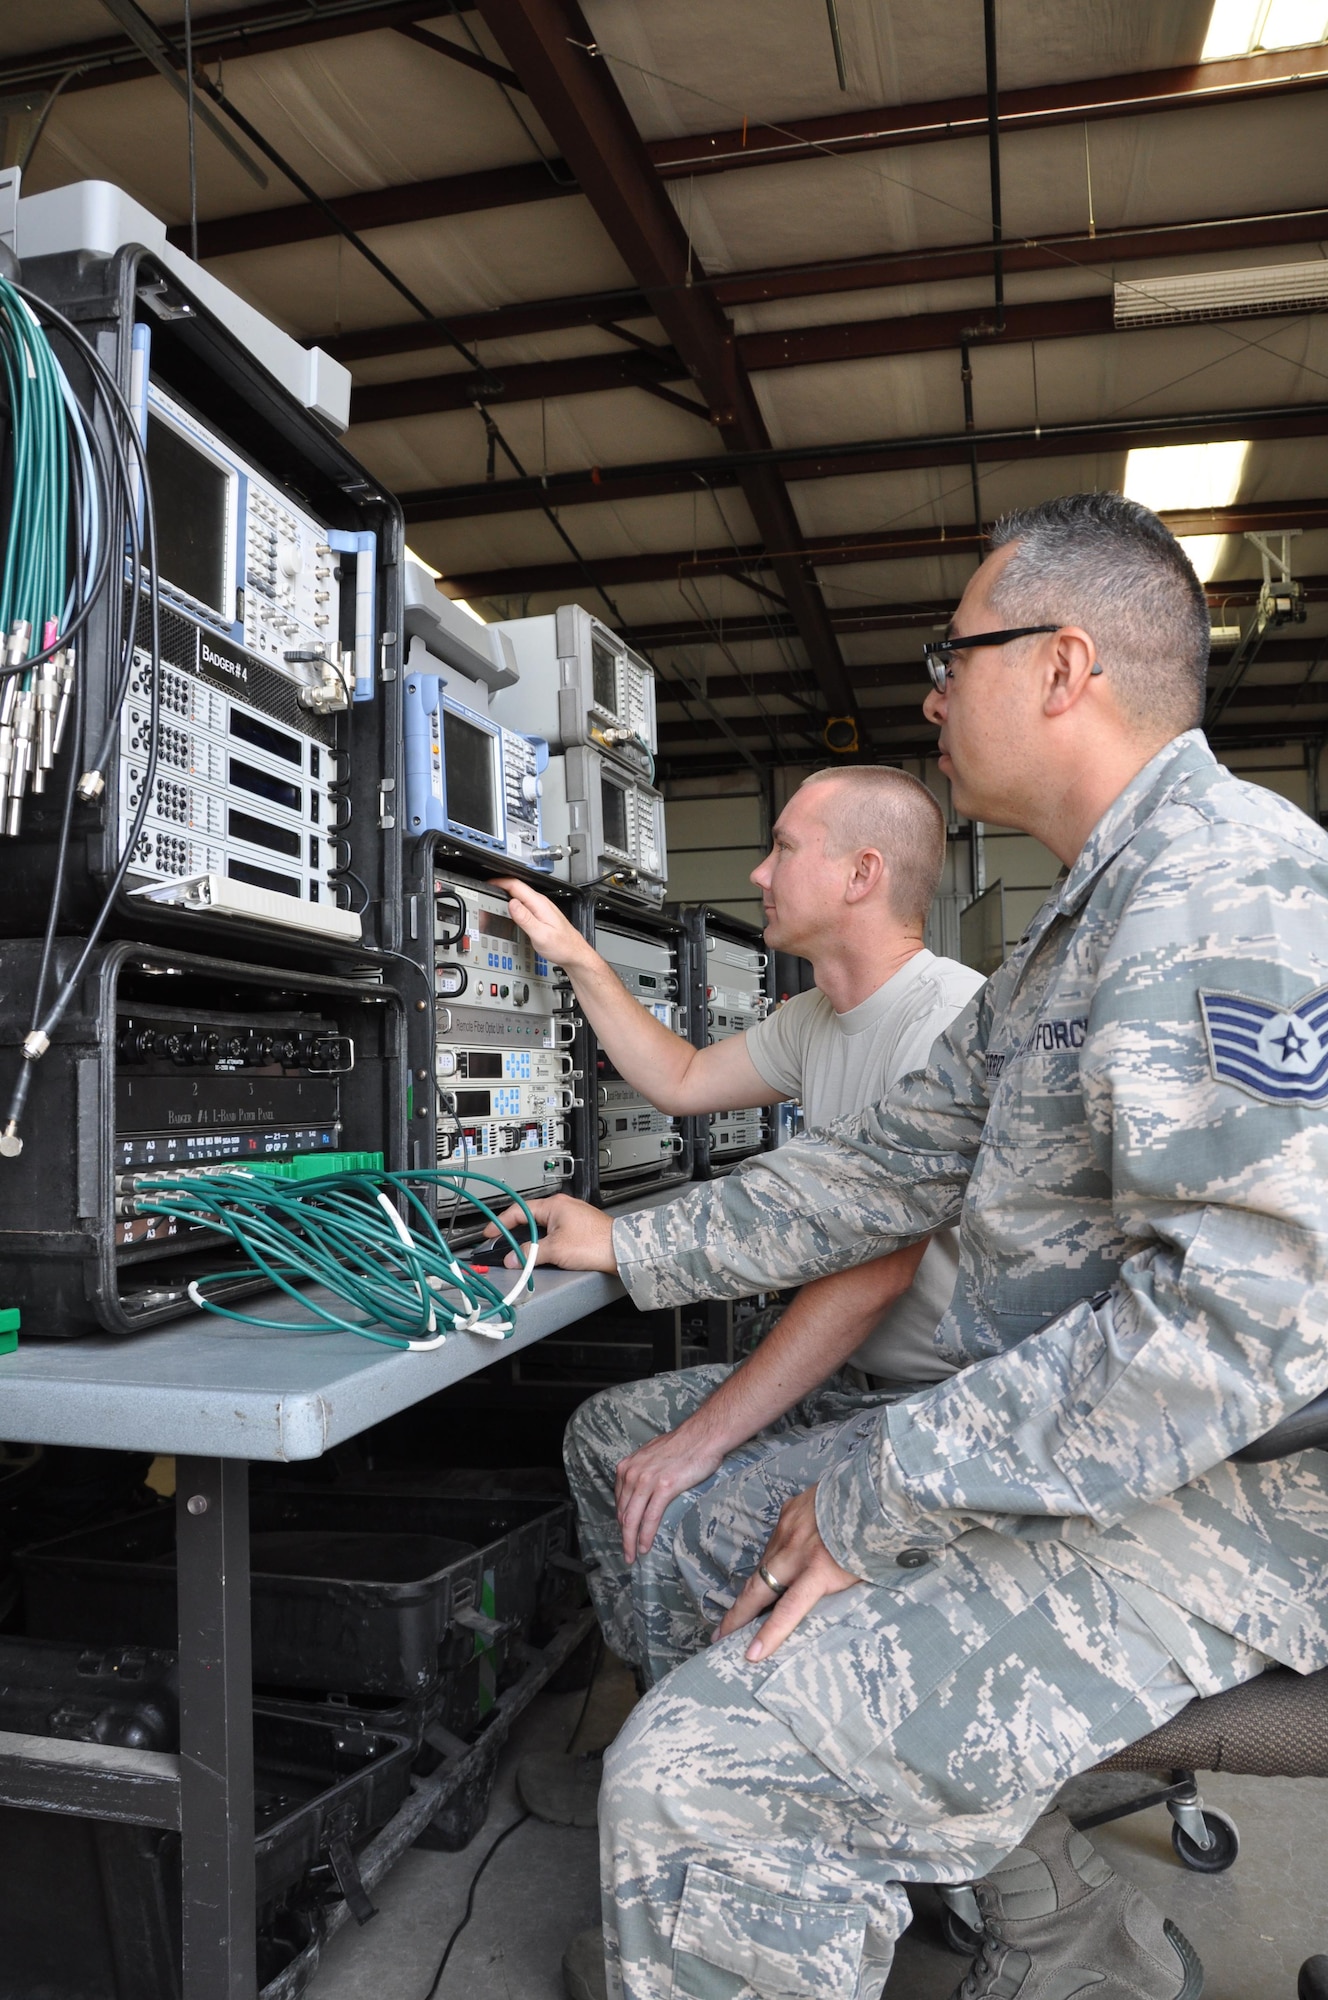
[837, 1063]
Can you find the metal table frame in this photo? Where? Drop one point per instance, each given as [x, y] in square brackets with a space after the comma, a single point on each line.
[217, 1395]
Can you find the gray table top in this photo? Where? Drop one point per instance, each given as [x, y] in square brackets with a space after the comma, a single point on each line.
[212, 1388]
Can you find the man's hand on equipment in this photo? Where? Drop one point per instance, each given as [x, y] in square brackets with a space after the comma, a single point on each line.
[646, 1482]
[804, 1571]
[577, 1237]
[543, 923]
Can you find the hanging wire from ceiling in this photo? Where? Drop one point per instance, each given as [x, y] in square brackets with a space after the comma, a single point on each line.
[485, 387]
[47, 108]
[191, 115]
[550, 166]
[858, 163]
[775, 630]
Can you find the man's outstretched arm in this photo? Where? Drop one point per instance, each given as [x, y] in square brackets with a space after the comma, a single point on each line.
[861, 1189]
[856, 1190]
[665, 1068]
[826, 1323]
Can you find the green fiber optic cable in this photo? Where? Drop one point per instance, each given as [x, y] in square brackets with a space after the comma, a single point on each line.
[340, 1231]
[34, 573]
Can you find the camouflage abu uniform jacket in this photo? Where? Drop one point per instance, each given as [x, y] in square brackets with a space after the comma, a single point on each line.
[1130, 1123]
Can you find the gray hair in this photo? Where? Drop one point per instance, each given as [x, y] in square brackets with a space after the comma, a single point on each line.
[875, 805]
[1108, 564]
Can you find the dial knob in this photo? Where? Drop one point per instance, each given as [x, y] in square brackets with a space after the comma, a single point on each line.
[530, 788]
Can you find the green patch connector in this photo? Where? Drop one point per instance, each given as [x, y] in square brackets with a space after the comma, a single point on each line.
[313, 1166]
[9, 1330]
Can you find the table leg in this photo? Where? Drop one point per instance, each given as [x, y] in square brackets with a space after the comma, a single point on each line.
[216, 1729]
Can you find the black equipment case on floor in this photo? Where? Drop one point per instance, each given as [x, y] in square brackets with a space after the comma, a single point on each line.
[324, 1783]
[363, 1594]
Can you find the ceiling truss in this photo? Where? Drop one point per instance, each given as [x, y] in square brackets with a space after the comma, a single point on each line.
[547, 44]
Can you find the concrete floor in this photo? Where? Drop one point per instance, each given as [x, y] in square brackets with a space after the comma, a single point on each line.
[1252, 1926]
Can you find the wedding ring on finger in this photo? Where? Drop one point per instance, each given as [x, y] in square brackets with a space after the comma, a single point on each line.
[770, 1582]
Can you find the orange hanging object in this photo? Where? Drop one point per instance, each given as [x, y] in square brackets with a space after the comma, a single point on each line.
[841, 735]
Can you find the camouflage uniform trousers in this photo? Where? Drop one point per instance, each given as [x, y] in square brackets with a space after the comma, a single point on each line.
[662, 1609]
[758, 1819]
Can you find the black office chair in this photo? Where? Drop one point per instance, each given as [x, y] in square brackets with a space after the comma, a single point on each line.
[1272, 1727]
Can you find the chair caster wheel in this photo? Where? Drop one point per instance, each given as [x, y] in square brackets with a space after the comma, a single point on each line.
[1209, 1860]
[964, 1941]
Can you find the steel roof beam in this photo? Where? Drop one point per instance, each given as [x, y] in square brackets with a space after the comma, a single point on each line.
[1243, 736]
[927, 266]
[1295, 696]
[546, 42]
[798, 347]
[794, 347]
[666, 633]
[530, 381]
[1246, 735]
[1177, 89]
[1264, 76]
[833, 551]
[379, 208]
[725, 686]
[457, 52]
[245, 31]
[861, 457]
[225, 37]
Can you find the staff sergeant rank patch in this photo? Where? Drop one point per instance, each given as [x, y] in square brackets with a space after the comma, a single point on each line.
[1277, 1054]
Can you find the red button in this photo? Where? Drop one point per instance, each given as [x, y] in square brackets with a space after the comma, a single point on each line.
[494, 991]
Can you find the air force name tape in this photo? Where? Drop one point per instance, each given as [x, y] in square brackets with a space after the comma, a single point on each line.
[1277, 1054]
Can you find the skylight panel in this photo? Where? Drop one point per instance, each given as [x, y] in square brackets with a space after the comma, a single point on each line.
[1169, 478]
[1204, 552]
[1184, 478]
[1240, 27]
[1289, 24]
[1232, 27]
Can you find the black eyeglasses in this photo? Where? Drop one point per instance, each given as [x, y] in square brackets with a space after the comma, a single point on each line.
[939, 653]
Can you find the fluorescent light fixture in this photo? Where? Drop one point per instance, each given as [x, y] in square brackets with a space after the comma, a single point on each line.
[1186, 477]
[1207, 295]
[1239, 27]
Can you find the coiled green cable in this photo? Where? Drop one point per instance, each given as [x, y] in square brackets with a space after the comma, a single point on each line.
[398, 1284]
